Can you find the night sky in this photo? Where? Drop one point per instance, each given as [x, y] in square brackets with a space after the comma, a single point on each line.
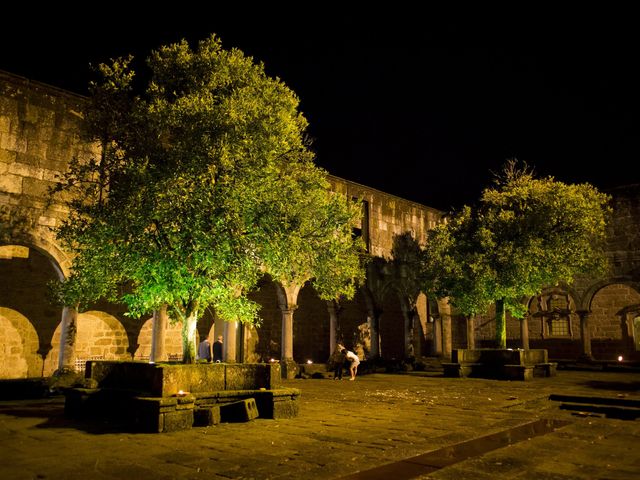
[423, 105]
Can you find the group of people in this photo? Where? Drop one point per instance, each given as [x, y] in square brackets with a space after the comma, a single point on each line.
[341, 358]
[205, 351]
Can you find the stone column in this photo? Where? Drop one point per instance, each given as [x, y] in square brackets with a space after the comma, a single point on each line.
[229, 345]
[287, 334]
[437, 335]
[287, 301]
[373, 320]
[68, 330]
[445, 317]
[158, 335]
[447, 341]
[332, 307]
[471, 332]
[524, 332]
[585, 334]
[422, 317]
[409, 314]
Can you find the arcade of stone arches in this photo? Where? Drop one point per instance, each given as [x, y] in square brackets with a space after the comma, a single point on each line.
[296, 325]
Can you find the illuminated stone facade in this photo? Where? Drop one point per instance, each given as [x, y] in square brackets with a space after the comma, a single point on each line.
[39, 134]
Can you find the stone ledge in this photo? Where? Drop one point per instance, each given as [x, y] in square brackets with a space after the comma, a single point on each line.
[501, 364]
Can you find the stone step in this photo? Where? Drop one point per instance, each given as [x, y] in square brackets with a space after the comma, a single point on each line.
[620, 402]
[621, 413]
[620, 408]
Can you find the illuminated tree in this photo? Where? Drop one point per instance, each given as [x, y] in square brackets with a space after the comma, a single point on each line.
[526, 234]
[204, 184]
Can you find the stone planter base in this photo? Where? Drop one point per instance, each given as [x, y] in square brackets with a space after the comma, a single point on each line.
[144, 397]
[500, 364]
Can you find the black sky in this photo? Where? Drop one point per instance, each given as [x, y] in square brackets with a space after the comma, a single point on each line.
[419, 104]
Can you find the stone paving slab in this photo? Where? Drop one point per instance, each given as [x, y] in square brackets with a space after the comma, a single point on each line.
[343, 427]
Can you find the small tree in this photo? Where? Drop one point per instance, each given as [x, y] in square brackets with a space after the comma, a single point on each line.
[526, 234]
[204, 184]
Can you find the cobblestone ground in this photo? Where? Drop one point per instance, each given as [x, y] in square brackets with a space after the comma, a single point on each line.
[344, 427]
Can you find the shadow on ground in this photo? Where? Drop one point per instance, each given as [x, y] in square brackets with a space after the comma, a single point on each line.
[605, 385]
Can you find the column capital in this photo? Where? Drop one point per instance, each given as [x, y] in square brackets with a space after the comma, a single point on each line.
[288, 310]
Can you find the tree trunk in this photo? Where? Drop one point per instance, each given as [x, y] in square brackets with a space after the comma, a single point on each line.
[189, 337]
[501, 324]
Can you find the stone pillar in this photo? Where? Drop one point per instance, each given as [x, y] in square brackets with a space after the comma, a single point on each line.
[373, 320]
[585, 334]
[420, 324]
[158, 335]
[447, 340]
[445, 318]
[287, 301]
[229, 345]
[332, 306]
[68, 330]
[524, 332]
[409, 314]
[471, 332]
[287, 334]
[437, 336]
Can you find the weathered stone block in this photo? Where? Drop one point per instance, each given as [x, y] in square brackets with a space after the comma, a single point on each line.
[285, 409]
[548, 369]
[178, 420]
[240, 411]
[191, 378]
[11, 183]
[289, 369]
[252, 376]
[36, 188]
[206, 416]
[142, 377]
[26, 170]
[518, 372]
[280, 403]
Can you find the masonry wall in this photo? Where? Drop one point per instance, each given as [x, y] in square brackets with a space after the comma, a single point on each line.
[388, 215]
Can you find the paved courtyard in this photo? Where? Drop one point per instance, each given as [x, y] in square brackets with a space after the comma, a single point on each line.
[348, 427]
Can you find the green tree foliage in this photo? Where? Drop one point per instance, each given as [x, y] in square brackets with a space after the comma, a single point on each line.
[527, 233]
[204, 184]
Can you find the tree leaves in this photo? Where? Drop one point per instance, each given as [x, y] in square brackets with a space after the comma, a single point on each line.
[203, 184]
[526, 233]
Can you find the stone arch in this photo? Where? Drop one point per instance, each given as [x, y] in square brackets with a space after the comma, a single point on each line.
[391, 328]
[353, 329]
[144, 341]
[25, 272]
[100, 336]
[263, 341]
[19, 346]
[590, 293]
[310, 327]
[612, 309]
[39, 240]
[172, 341]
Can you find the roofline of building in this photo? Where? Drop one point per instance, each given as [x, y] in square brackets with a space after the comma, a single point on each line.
[411, 202]
[29, 82]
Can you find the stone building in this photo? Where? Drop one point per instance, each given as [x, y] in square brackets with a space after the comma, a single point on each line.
[388, 318]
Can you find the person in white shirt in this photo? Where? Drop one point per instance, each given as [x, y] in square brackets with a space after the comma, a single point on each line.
[355, 361]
